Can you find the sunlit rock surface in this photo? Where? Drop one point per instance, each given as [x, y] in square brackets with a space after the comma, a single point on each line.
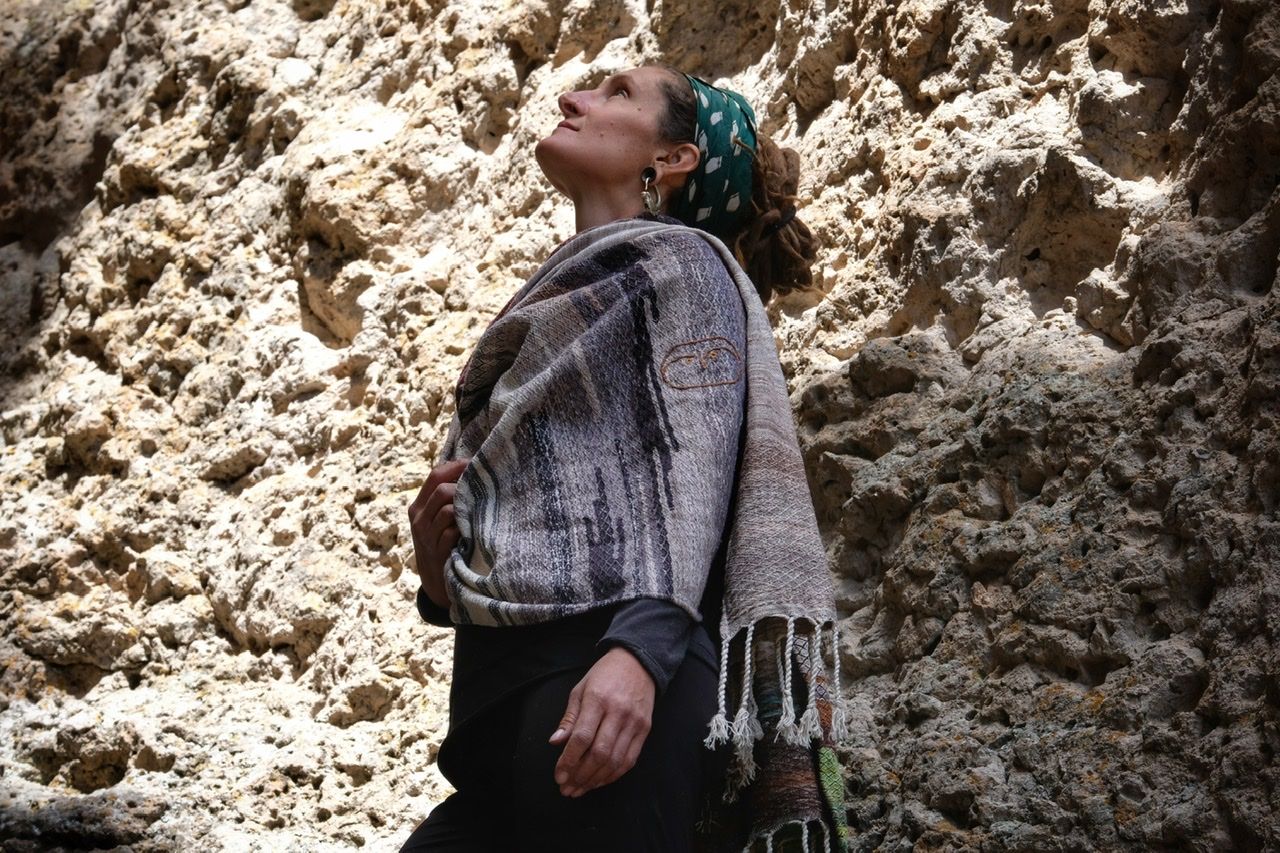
[247, 247]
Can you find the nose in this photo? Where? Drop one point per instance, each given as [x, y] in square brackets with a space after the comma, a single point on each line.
[570, 104]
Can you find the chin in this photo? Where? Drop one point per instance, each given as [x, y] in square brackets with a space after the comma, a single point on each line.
[551, 160]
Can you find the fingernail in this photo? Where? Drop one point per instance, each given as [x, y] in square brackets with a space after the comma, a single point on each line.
[561, 777]
[557, 733]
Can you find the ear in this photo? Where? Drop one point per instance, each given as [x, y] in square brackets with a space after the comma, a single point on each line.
[677, 163]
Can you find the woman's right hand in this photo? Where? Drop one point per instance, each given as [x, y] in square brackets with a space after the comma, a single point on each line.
[433, 527]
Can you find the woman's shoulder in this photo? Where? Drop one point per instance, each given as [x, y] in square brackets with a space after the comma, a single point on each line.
[689, 271]
[691, 278]
[678, 234]
[688, 250]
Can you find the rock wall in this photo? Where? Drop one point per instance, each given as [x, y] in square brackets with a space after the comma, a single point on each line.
[247, 246]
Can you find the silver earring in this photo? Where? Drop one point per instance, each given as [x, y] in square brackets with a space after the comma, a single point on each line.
[652, 199]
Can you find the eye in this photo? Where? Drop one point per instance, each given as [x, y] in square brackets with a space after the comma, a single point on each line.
[621, 90]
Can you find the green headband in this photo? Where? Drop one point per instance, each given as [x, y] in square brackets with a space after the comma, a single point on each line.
[718, 191]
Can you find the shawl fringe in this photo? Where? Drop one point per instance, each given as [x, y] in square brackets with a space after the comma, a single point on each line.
[747, 727]
[808, 837]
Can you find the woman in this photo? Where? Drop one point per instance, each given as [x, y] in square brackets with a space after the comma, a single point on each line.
[621, 529]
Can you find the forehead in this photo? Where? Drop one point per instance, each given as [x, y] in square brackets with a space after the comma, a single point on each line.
[645, 78]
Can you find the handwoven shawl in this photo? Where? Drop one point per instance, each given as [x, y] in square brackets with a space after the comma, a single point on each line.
[594, 412]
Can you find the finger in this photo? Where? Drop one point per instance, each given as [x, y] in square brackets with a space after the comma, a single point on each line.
[569, 717]
[443, 474]
[453, 468]
[430, 531]
[579, 741]
[447, 472]
[632, 755]
[419, 504]
[626, 752]
[437, 558]
[437, 475]
[444, 517]
[598, 759]
[444, 521]
[433, 542]
[448, 539]
[441, 497]
[420, 498]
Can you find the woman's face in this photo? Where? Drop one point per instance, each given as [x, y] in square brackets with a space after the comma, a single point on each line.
[608, 136]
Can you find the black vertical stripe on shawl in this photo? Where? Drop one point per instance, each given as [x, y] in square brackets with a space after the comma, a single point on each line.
[606, 546]
[533, 438]
[636, 383]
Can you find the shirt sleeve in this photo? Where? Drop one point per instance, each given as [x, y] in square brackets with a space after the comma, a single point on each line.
[432, 612]
[657, 632]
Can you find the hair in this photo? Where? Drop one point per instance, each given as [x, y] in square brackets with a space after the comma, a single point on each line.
[777, 259]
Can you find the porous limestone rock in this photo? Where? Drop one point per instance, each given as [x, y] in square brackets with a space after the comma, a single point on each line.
[247, 245]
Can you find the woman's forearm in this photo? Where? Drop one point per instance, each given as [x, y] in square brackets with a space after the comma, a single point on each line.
[657, 632]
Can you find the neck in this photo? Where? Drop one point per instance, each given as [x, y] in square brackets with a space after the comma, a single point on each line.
[596, 209]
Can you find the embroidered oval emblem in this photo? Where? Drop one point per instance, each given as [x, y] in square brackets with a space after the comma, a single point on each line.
[702, 363]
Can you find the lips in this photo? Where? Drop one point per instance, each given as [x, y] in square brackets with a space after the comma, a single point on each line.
[566, 124]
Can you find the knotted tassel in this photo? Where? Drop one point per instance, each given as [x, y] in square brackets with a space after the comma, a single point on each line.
[810, 722]
[719, 728]
[839, 714]
[788, 729]
[743, 731]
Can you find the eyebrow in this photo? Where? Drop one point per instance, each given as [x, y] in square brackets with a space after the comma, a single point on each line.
[623, 78]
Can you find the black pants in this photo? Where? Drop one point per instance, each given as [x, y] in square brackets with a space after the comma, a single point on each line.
[507, 800]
